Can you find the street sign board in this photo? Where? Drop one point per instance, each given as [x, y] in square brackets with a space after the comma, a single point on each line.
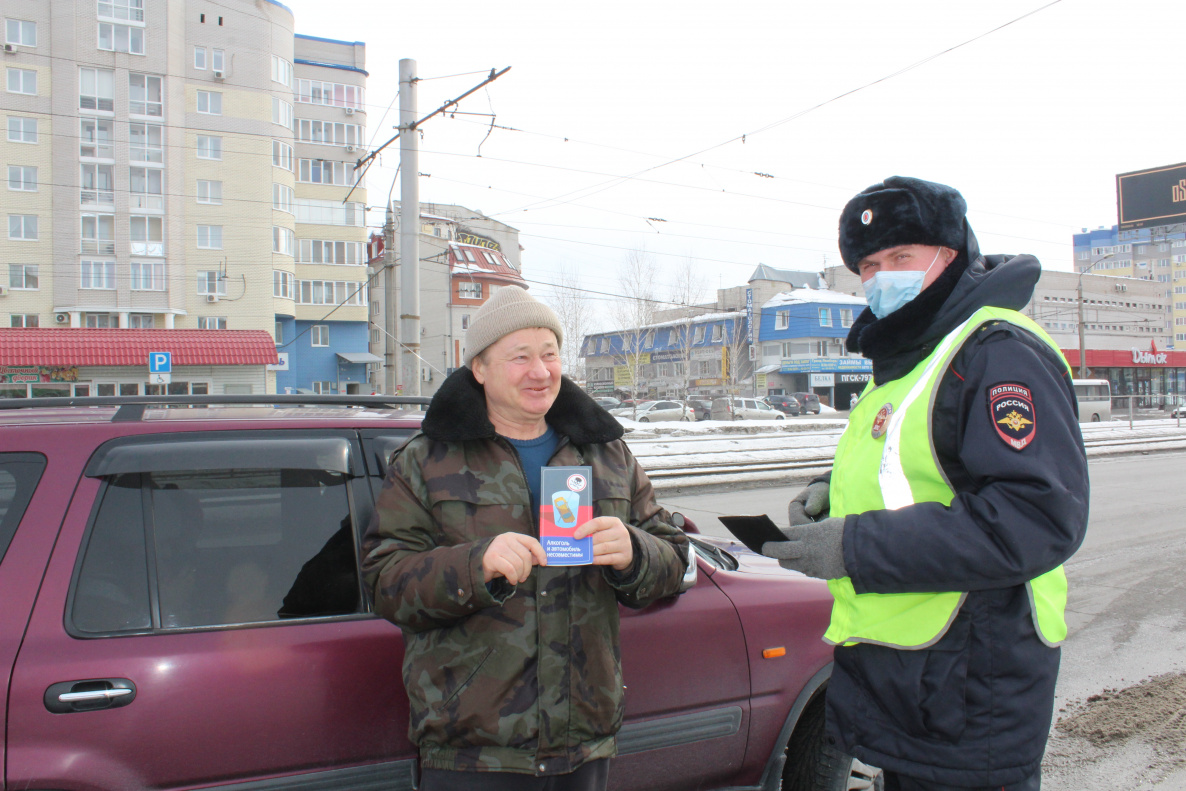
[160, 379]
[160, 362]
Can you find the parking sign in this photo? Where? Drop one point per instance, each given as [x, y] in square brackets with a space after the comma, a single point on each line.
[160, 368]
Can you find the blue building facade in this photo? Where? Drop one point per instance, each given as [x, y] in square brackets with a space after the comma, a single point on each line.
[324, 357]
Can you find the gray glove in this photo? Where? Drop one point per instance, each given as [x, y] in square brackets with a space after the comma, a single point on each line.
[809, 504]
[816, 549]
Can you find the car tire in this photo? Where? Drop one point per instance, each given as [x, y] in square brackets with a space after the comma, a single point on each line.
[815, 765]
[780, 417]
[644, 420]
[1095, 418]
[684, 419]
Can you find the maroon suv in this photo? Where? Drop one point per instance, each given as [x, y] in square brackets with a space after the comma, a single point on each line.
[183, 609]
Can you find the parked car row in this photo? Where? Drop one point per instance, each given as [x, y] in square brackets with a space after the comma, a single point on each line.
[772, 407]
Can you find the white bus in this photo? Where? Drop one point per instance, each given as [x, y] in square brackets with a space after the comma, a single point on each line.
[1095, 400]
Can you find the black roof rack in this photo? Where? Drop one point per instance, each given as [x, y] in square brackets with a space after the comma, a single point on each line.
[132, 407]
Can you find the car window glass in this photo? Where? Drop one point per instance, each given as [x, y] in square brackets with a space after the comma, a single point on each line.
[250, 546]
[19, 474]
[112, 592]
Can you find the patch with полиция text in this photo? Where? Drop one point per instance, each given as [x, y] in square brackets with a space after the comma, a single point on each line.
[1011, 409]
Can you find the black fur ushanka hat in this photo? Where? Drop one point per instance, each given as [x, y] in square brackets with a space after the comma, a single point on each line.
[901, 210]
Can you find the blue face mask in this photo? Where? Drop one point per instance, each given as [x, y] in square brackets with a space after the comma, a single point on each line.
[887, 291]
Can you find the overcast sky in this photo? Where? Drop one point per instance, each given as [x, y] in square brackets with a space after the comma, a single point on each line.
[625, 111]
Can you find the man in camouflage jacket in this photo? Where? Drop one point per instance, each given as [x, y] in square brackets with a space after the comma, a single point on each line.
[523, 678]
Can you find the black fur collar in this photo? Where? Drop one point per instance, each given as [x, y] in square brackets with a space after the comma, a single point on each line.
[458, 413]
[902, 339]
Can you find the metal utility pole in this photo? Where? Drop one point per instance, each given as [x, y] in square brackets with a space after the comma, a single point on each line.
[1082, 326]
[409, 229]
[390, 349]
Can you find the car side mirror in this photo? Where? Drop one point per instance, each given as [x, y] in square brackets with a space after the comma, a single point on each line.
[690, 575]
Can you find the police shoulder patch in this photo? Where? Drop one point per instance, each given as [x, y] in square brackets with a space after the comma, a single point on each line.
[1011, 410]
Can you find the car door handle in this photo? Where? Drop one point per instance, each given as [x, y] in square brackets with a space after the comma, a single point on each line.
[68, 697]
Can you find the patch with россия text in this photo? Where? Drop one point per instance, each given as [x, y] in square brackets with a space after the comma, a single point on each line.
[1011, 409]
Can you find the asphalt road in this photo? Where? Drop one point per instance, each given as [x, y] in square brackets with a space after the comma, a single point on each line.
[1127, 616]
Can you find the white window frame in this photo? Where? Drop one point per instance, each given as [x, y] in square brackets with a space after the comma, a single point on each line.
[281, 71]
[317, 211]
[283, 240]
[211, 283]
[23, 320]
[209, 147]
[148, 276]
[210, 102]
[845, 317]
[333, 252]
[96, 275]
[199, 58]
[209, 192]
[282, 198]
[782, 320]
[147, 104]
[141, 145]
[205, 322]
[16, 32]
[282, 113]
[22, 129]
[126, 10]
[209, 237]
[469, 290]
[146, 234]
[25, 227]
[146, 186]
[141, 321]
[97, 182]
[26, 178]
[25, 82]
[121, 38]
[282, 155]
[218, 59]
[825, 317]
[19, 277]
[101, 240]
[319, 335]
[283, 287]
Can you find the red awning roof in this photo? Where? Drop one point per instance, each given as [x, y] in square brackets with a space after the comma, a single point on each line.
[88, 347]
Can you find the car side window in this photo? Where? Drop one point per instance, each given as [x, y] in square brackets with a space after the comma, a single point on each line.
[179, 548]
[19, 475]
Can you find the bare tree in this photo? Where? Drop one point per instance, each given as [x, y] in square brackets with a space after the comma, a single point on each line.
[573, 308]
[634, 312]
[738, 366]
[687, 292]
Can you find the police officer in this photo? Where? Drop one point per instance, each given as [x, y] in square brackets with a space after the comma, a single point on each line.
[958, 490]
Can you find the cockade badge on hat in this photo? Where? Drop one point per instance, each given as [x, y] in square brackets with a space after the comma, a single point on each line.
[866, 216]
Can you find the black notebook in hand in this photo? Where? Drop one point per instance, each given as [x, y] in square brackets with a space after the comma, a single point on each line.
[753, 531]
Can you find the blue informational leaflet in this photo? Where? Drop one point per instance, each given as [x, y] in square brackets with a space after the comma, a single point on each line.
[566, 503]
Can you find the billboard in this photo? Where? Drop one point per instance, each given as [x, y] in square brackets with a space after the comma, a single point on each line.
[1151, 197]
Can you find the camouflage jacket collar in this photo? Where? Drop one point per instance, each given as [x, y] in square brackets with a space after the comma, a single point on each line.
[458, 413]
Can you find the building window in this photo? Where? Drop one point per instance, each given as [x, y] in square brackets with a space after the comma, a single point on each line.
[95, 140]
[129, 10]
[103, 321]
[325, 171]
[331, 292]
[145, 96]
[825, 317]
[337, 134]
[146, 143]
[210, 102]
[23, 276]
[209, 147]
[319, 335]
[328, 212]
[22, 178]
[211, 283]
[281, 71]
[327, 251]
[22, 81]
[846, 317]
[22, 227]
[121, 38]
[210, 237]
[469, 290]
[23, 320]
[281, 113]
[98, 234]
[282, 286]
[279, 333]
[717, 332]
[782, 320]
[282, 240]
[140, 321]
[217, 59]
[96, 90]
[22, 130]
[209, 191]
[323, 388]
[329, 93]
[148, 275]
[147, 236]
[147, 189]
[211, 322]
[20, 33]
[465, 321]
[282, 155]
[200, 58]
[282, 198]
[98, 275]
[698, 335]
[98, 184]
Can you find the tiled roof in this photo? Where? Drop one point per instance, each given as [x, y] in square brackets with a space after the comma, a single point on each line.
[88, 347]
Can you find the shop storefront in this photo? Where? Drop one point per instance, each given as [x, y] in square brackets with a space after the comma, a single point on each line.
[1156, 377]
[46, 362]
[833, 379]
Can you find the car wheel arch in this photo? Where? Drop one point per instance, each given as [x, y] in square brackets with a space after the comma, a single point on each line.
[815, 686]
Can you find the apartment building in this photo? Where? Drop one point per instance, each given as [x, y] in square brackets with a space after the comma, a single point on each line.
[154, 180]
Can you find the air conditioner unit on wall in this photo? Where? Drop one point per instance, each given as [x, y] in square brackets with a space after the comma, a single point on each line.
[218, 75]
[9, 48]
[61, 318]
[3, 291]
[211, 297]
[349, 148]
[349, 111]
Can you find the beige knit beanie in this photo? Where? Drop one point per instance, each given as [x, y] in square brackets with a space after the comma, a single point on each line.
[509, 310]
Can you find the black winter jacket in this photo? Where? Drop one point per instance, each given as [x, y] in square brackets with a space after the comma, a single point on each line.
[975, 708]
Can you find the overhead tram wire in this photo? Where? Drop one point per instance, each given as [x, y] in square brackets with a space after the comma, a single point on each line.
[559, 200]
